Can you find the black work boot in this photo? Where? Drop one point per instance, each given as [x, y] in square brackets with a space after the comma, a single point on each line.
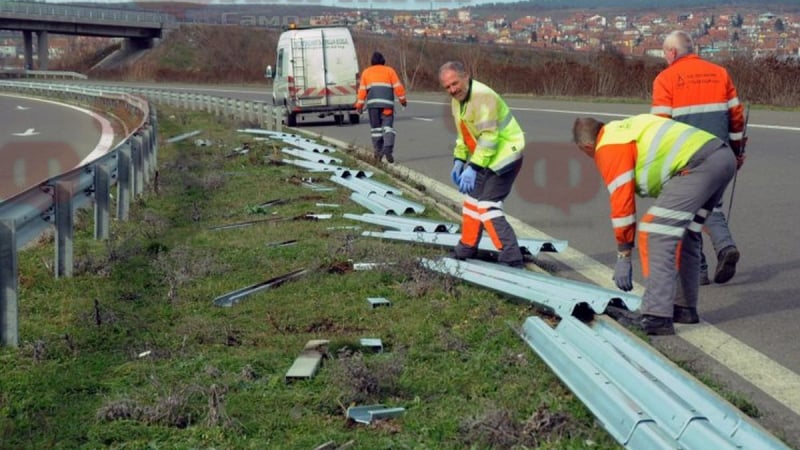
[685, 314]
[704, 280]
[726, 264]
[651, 325]
[389, 158]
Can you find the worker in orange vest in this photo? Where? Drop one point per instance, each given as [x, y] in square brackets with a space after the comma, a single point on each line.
[376, 92]
[701, 93]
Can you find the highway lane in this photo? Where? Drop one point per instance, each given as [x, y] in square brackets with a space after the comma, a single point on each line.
[40, 139]
[749, 339]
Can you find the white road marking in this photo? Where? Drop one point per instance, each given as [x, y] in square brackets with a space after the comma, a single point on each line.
[28, 132]
[775, 380]
[606, 114]
[22, 108]
[424, 119]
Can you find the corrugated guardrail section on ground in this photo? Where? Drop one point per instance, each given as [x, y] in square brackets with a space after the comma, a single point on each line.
[51, 205]
[642, 399]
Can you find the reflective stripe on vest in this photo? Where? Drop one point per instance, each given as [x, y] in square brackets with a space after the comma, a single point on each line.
[663, 147]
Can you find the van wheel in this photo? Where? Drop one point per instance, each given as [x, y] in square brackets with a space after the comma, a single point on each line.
[338, 119]
[291, 120]
[355, 118]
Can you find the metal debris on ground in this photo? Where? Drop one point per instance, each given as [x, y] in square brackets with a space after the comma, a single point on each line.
[366, 414]
[202, 142]
[528, 246]
[311, 156]
[309, 361]
[231, 298]
[313, 216]
[330, 445]
[345, 227]
[408, 224]
[378, 301]
[387, 205]
[245, 224]
[181, 137]
[281, 244]
[372, 343]
[328, 205]
[369, 266]
[243, 150]
[317, 167]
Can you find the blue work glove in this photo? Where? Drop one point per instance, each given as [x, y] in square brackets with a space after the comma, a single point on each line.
[455, 174]
[623, 273]
[467, 183]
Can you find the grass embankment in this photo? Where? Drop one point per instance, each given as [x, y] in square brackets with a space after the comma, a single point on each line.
[131, 352]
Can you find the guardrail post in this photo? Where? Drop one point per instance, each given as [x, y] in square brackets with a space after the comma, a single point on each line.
[146, 150]
[9, 319]
[63, 220]
[124, 181]
[102, 200]
[136, 159]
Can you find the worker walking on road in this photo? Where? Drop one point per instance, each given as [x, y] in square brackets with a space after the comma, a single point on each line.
[487, 159]
[377, 91]
[686, 170]
[700, 93]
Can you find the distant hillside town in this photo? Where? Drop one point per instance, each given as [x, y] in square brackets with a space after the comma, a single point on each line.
[720, 32]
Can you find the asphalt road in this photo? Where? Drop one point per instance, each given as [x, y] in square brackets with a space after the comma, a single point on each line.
[40, 139]
[748, 339]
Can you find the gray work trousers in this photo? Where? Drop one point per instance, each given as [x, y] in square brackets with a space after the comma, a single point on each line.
[483, 211]
[673, 224]
[717, 229]
[381, 131]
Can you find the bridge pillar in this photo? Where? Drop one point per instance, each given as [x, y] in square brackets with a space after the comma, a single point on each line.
[27, 38]
[42, 49]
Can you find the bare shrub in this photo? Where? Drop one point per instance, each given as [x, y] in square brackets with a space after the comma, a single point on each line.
[176, 408]
[497, 428]
[216, 407]
[494, 429]
[184, 264]
[366, 379]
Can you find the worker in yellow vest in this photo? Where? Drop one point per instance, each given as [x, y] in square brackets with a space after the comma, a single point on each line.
[686, 170]
[487, 159]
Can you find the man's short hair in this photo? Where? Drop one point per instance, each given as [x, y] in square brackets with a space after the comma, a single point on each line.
[585, 130]
[680, 41]
[377, 58]
[455, 66]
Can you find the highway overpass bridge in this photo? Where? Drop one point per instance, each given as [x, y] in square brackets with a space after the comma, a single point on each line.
[139, 28]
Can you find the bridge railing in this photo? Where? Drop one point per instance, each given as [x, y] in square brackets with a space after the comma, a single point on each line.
[62, 12]
[52, 204]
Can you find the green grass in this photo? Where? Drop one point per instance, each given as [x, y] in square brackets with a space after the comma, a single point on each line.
[214, 377]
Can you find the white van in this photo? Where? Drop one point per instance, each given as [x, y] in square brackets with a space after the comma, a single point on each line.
[316, 72]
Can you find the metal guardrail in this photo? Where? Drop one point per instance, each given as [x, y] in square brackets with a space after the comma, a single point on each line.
[130, 165]
[642, 399]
